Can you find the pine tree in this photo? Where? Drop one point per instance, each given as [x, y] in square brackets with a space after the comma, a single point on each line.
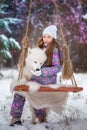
[6, 43]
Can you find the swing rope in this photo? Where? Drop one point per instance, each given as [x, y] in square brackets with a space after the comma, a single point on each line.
[67, 71]
[25, 45]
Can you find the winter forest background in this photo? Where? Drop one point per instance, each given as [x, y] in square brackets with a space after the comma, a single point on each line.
[13, 18]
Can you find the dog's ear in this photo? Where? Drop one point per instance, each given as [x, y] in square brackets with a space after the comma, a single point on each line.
[29, 50]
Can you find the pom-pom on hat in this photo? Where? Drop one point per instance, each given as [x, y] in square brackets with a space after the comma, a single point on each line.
[51, 30]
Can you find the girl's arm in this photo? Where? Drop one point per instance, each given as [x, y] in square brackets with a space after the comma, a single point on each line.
[54, 69]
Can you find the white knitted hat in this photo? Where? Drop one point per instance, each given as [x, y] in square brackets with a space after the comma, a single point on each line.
[51, 30]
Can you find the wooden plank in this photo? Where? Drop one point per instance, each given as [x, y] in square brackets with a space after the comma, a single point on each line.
[61, 89]
[67, 88]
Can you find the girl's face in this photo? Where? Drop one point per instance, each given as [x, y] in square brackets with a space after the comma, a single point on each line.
[47, 39]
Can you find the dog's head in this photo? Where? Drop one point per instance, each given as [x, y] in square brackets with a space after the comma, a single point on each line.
[36, 57]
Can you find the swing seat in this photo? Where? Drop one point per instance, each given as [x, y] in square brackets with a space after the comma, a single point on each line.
[63, 88]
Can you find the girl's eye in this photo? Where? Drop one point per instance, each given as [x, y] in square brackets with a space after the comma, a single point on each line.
[43, 36]
[35, 62]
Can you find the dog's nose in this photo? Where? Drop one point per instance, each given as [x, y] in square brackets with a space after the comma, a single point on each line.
[37, 69]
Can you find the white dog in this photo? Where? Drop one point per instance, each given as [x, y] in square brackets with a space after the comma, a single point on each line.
[33, 62]
[36, 57]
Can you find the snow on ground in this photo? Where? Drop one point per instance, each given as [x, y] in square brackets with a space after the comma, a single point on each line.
[74, 116]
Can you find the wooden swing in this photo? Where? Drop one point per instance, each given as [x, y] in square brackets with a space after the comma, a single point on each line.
[67, 72]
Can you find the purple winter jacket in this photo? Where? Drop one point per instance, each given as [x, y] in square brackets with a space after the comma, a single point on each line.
[49, 74]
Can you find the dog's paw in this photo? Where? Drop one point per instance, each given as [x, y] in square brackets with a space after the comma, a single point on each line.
[13, 84]
[36, 73]
[33, 86]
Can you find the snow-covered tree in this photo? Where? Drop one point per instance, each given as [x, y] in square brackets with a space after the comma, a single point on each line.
[7, 43]
[5, 47]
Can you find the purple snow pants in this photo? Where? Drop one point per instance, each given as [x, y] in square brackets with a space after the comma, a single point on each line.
[17, 108]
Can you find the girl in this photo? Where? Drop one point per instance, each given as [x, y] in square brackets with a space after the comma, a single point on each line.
[48, 73]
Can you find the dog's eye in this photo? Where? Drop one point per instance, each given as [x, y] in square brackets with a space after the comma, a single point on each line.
[40, 63]
[35, 62]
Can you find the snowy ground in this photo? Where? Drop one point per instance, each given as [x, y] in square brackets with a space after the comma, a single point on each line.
[74, 116]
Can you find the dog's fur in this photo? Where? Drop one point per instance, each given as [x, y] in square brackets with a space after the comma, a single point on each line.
[36, 57]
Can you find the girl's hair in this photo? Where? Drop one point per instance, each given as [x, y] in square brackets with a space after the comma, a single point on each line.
[49, 50]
